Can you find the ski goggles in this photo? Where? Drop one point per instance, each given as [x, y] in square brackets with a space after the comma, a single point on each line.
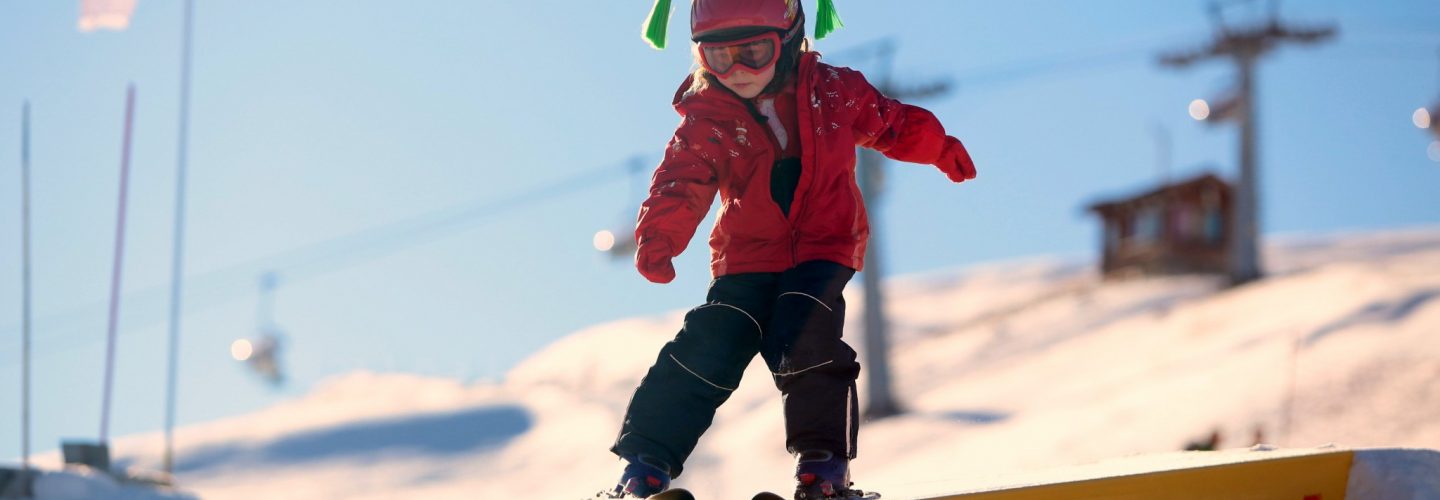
[756, 54]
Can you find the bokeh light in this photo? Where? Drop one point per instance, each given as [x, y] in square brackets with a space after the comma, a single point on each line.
[1421, 118]
[604, 240]
[1199, 109]
[241, 350]
[1434, 151]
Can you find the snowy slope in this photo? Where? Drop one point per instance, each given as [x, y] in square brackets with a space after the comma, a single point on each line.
[1005, 367]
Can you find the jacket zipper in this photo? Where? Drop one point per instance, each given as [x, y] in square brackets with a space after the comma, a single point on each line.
[775, 153]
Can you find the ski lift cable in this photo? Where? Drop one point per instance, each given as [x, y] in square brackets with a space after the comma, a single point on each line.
[1383, 29]
[1010, 73]
[1137, 51]
[1130, 52]
[349, 250]
[216, 287]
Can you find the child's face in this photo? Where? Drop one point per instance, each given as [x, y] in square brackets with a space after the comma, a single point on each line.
[746, 84]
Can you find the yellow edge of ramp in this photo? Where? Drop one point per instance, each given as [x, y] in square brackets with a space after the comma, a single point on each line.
[1322, 476]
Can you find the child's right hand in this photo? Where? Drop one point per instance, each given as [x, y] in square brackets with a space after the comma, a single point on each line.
[654, 263]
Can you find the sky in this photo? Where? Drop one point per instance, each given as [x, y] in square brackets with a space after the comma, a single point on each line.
[424, 181]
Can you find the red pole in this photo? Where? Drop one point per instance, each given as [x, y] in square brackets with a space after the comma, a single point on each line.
[119, 258]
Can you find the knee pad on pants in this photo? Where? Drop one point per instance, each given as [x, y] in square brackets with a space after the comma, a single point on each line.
[807, 337]
[715, 345]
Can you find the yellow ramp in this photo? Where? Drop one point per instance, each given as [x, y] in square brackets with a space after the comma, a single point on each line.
[1240, 474]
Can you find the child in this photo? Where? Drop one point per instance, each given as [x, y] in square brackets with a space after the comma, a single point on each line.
[773, 131]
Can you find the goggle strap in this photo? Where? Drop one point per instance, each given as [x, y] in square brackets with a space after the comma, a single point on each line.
[790, 34]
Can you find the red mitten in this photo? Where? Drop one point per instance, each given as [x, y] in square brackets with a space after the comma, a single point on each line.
[955, 161]
[653, 261]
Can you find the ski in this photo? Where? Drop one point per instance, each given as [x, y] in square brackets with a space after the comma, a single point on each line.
[673, 494]
[670, 494]
[765, 495]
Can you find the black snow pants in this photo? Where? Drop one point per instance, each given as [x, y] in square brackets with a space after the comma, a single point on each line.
[794, 320]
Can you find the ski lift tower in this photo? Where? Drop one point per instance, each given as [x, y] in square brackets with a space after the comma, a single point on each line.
[1429, 119]
[881, 402]
[1244, 46]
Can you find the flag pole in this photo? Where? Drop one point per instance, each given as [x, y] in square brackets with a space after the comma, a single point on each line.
[177, 264]
[25, 285]
[115, 275]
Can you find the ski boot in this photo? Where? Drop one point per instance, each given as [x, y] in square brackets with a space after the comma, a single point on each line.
[643, 477]
[822, 475]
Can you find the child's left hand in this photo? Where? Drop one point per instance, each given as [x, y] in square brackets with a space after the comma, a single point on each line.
[955, 161]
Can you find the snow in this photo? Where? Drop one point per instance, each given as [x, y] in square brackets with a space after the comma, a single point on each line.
[79, 482]
[1006, 368]
[1394, 474]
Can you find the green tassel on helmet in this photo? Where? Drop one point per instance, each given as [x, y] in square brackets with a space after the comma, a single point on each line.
[656, 23]
[826, 19]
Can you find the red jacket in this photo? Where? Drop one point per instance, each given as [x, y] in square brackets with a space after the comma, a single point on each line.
[720, 147]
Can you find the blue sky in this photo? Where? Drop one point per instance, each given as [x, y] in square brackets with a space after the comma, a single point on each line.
[415, 126]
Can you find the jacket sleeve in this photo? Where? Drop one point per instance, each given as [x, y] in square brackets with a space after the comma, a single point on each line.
[900, 131]
[681, 192]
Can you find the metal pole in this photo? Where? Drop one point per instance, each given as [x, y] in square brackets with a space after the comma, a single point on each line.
[1287, 413]
[25, 285]
[1244, 246]
[177, 265]
[1162, 152]
[119, 258]
[265, 307]
[882, 400]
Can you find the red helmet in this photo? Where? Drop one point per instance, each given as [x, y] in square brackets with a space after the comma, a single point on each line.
[722, 19]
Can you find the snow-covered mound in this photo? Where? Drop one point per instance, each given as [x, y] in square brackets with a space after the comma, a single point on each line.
[1003, 367]
[82, 483]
